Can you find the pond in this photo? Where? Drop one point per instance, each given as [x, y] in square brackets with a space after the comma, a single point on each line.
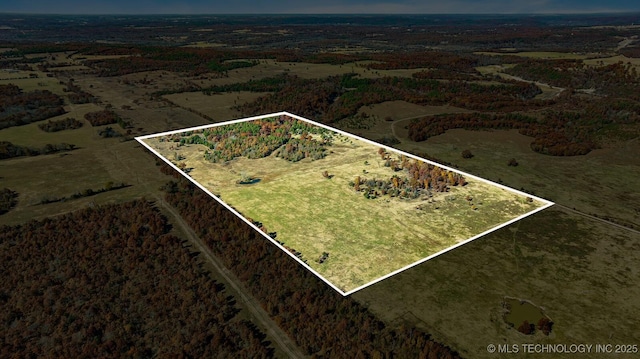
[519, 311]
[248, 181]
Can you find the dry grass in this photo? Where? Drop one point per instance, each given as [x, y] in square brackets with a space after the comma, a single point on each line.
[366, 238]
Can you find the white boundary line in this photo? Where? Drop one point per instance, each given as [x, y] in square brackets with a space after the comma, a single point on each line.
[141, 139]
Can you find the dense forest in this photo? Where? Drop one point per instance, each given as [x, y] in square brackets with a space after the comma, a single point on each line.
[21, 108]
[322, 322]
[110, 282]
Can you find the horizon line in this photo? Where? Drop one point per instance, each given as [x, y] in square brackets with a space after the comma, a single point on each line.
[598, 12]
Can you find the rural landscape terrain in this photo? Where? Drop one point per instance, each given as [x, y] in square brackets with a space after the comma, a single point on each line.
[289, 176]
[106, 251]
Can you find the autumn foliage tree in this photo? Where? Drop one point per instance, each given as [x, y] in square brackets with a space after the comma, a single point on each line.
[111, 282]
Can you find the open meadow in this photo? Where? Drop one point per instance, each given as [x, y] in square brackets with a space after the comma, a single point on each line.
[365, 238]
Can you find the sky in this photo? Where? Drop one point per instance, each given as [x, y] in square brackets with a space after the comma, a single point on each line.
[315, 7]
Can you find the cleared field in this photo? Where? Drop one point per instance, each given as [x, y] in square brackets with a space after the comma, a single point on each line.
[27, 84]
[603, 61]
[366, 238]
[216, 105]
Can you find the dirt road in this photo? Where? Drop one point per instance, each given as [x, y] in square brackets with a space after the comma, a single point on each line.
[240, 291]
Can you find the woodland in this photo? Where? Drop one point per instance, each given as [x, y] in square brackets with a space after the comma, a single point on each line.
[111, 282]
[20, 108]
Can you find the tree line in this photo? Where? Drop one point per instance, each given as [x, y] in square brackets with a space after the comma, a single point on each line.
[105, 117]
[68, 123]
[9, 150]
[557, 133]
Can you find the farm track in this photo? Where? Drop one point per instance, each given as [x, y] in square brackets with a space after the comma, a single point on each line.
[283, 341]
[583, 214]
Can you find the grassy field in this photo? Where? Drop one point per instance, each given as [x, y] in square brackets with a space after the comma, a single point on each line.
[612, 60]
[365, 238]
[565, 263]
[215, 106]
[22, 80]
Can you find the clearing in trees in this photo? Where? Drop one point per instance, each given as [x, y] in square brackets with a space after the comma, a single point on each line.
[351, 211]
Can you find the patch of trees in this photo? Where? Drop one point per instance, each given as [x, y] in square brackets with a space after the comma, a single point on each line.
[258, 139]
[267, 84]
[544, 325]
[630, 52]
[109, 186]
[105, 117]
[323, 323]
[111, 282]
[8, 200]
[20, 108]
[556, 133]
[421, 178]
[9, 150]
[77, 96]
[109, 132]
[68, 123]
[297, 149]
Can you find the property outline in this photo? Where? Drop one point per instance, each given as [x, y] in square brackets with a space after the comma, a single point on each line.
[546, 203]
